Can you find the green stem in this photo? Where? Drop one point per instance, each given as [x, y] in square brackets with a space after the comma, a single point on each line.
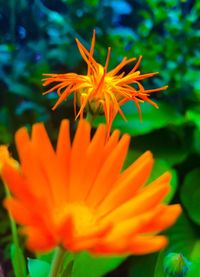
[57, 261]
[20, 259]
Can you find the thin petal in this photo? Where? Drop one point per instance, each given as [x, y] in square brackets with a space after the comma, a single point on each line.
[30, 167]
[150, 197]
[93, 160]
[164, 220]
[142, 245]
[132, 226]
[138, 245]
[16, 183]
[46, 160]
[22, 140]
[129, 182]
[78, 154]
[63, 153]
[109, 172]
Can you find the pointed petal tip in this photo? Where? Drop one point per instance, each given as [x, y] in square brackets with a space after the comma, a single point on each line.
[37, 126]
[142, 246]
[83, 124]
[148, 153]
[21, 137]
[126, 137]
[177, 209]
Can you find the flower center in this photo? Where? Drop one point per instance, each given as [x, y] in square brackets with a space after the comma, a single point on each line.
[83, 218]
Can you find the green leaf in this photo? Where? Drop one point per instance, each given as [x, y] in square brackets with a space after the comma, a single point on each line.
[92, 3]
[164, 144]
[190, 194]
[194, 269]
[197, 140]
[195, 254]
[47, 256]
[38, 268]
[86, 265]
[18, 261]
[137, 267]
[152, 118]
[67, 264]
[194, 115]
[193, 77]
[159, 268]
[195, 257]
[23, 90]
[67, 270]
[5, 135]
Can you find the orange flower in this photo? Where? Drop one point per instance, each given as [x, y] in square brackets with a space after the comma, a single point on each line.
[78, 198]
[6, 158]
[102, 91]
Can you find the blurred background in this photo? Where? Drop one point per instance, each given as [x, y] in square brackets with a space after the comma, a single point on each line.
[38, 37]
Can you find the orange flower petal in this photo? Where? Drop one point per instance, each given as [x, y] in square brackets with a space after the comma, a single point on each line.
[129, 182]
[165, 219]
[132, 226]
[39, 240]
[108, 173]
[149, 197]
[77, 196]
[92, 168]
[21, 140]
[78, 155]
[142, 245]
[63, 154]
[48, 164]
[21, 213]
[17, 184]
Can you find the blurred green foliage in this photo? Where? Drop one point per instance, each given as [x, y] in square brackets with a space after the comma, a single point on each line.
[38, 37]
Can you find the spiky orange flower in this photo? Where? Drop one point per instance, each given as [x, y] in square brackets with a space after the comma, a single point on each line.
[76, 196]
[102, 90]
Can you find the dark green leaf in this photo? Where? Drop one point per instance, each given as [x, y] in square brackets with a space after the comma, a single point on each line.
[190, 194]
[137, 265]
[86, 265]
[164, 145]
[152, 118]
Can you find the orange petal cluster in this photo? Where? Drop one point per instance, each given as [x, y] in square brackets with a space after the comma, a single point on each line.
[101, 91]
[76, 196]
